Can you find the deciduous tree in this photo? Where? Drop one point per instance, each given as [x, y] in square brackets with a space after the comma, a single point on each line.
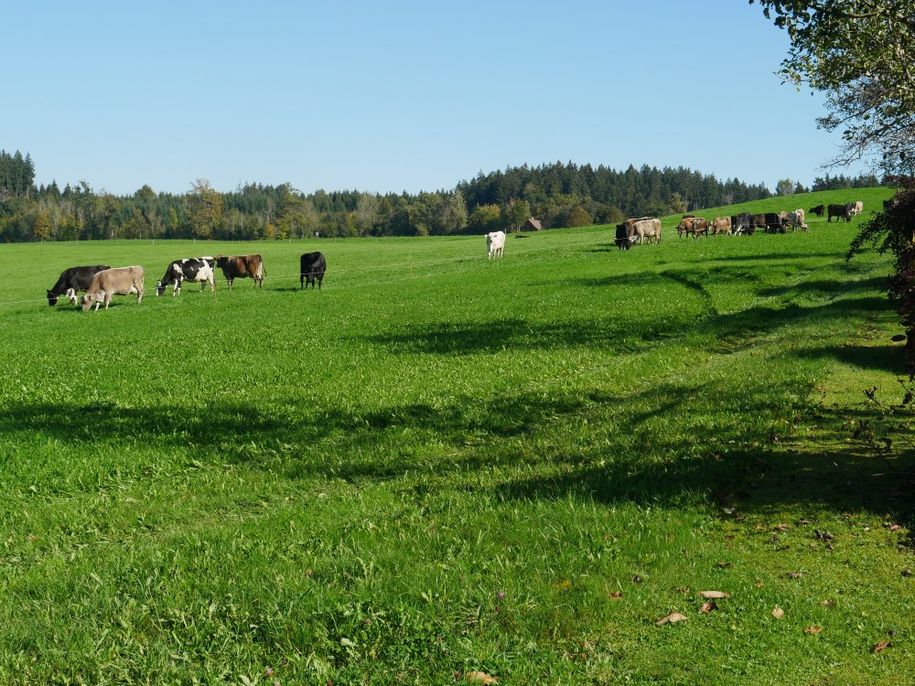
[861, 54]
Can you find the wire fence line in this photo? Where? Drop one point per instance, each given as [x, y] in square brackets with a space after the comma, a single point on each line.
[394, 265]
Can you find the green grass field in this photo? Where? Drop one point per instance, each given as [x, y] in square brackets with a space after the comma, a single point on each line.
[441, 465]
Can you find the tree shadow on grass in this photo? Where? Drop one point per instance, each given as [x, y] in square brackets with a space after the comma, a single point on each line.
[885, 358]
[827, 287]
[638, 332]
[742, 449]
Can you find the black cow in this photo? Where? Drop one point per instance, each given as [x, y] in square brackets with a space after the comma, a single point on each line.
[312, 266]
[72, 281]
[189, 269]
[839, 212]
[622, 237]
[818, 210]
[743, 223]
[769, 221]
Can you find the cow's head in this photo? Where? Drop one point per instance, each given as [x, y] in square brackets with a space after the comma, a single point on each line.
[160, 288]
[88, 299]
[52, 298]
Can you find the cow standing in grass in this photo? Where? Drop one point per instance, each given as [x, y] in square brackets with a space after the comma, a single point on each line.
[720, 225]
[839, 212]
[495, 244]
[242, 267]
[312, 266]
[819, 210]
[72, 281]
[642, 229]
[111, 282]
[195, 269]
[692, 225]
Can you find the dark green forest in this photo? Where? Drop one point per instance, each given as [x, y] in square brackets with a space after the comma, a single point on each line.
[558, 195]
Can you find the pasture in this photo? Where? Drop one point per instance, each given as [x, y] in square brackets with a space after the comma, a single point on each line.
[440, 465]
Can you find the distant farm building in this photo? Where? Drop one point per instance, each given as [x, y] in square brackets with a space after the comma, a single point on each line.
[532, 225]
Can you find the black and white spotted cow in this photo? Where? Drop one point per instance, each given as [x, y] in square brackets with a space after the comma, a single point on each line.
[199, 269]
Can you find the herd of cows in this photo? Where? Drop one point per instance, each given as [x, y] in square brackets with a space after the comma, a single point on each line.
[101, 282]
[648, 229]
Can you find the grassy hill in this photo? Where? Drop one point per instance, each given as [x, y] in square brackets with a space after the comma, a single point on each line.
[440, 465]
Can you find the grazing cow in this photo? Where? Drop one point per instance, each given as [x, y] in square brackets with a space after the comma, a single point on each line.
[855, 208]
[73, 280]
[691, 224]
[312, 266]
[794, 219]
[199, 269]
[622, 237]
[644, 228]
[839, 212]
[495, 243]
[743, 224]
[119, 281]
[720, 225]
[818, 210]
[242, 267]
[769, 221]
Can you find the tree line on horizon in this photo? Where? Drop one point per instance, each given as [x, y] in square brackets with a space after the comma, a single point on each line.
[559, 195]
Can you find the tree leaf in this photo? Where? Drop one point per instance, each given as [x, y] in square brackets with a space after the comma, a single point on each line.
[708, 606]
[671, 619]
[880, 646]
[480, 678]
[714, 595]
[813, 629]
[778, 612]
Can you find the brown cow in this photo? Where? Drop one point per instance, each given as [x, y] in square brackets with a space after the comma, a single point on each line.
[242, 267]
[120, 281]
[720, 225]
[643, 228]
[691, 224]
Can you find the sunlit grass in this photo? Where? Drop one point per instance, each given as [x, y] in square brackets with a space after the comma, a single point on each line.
[441, 464]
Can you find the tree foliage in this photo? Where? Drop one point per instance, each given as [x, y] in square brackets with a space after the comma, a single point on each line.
[558, 194]
[861, 54]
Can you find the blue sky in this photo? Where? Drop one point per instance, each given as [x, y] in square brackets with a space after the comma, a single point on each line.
[399, 95]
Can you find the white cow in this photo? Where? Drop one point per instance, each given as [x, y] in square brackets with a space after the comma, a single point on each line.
[495, 243]
[796, 219]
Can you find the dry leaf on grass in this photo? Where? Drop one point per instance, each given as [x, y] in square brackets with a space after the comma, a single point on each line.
[616, 595]
[813, 629]
[708, 606]
[895, 527]
[829, 602]
[795, 575]
[480, 678]
[714, 595]
[778, 612]
[880, 647]
[781, 527]
[671, 619]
